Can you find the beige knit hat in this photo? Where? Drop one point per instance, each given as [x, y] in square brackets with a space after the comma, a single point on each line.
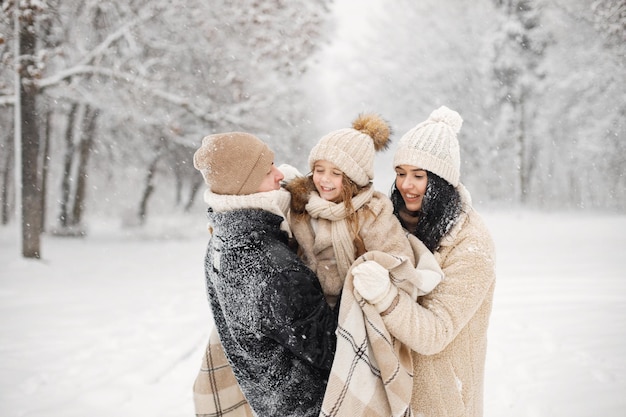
[433, 145]
[233, 163]
[352, 149]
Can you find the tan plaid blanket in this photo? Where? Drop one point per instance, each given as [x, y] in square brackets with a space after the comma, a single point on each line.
[372, 374]
[215, 390]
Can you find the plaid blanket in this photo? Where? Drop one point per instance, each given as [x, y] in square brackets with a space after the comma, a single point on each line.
[215, 390]
[372, 374]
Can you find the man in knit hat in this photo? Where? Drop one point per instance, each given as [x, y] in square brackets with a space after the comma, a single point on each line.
[274, 324]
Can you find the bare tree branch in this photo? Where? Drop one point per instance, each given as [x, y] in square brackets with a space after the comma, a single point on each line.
[136, 82]
[119, 33]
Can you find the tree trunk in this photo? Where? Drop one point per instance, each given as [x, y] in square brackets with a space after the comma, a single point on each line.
[45, 166]
[522, 152]
[179, 186]
[84, 150]
[6, 176]
[194, 191]
[67, 167]
[31, 192]
[149, 188]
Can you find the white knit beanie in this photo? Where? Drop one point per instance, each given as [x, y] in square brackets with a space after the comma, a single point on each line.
[433, 145]
[352, 149]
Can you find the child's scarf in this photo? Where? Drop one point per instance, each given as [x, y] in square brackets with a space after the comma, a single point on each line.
[343, 241]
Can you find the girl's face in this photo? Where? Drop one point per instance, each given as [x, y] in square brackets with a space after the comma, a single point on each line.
[272, 180]
[411, 181]
[328, 180]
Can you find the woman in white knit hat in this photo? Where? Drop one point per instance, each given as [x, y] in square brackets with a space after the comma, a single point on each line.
[447, 328]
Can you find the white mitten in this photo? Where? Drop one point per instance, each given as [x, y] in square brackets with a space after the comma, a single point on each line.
[372, 281]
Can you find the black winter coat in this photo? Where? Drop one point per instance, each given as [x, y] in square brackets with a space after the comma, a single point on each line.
[277, 330]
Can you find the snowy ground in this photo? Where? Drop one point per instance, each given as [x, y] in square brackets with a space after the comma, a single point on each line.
[114, 324]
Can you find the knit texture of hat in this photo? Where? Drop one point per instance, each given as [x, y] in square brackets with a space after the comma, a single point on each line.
[433, 145]
[352, 149]
[233, 163]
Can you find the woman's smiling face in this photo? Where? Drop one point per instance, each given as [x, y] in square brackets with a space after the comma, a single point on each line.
[411, 182]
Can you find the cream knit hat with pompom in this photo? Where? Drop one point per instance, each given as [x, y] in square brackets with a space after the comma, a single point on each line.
[433, 145]
[352, 149]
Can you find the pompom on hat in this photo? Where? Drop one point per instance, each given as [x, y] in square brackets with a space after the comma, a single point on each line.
[233, 163]
[352, 149]
[433, 145]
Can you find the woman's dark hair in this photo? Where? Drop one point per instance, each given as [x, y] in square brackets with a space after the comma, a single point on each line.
[441, 207]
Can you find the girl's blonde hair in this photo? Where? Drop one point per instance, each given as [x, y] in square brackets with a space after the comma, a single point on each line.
[348, 190]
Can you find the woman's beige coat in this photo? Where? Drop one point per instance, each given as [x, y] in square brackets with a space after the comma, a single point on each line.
[447, 329]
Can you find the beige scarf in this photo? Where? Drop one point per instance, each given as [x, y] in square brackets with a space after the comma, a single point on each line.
[276, 202]
[343, 243]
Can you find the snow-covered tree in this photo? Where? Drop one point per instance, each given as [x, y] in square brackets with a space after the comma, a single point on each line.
[152, 77]
[122, 93]
[581, 115]
[609, 17]
[540, 85]
[403, 59]
[26, 17]
[519, 48]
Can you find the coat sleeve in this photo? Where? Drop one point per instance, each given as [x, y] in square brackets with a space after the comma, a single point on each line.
[298, 317]
[428, 326]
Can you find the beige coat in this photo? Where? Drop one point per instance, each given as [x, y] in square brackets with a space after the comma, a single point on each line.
[380, 230]
[447, 330]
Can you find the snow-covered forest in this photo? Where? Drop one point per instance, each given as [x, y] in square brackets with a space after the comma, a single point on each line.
[541, 85]
[103, 102]
[115, 96]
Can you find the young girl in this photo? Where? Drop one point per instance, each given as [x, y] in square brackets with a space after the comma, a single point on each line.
[336, 214]
[339, 221]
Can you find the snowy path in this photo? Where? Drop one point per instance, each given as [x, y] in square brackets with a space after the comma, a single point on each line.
[559, 321]
[115, 325]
